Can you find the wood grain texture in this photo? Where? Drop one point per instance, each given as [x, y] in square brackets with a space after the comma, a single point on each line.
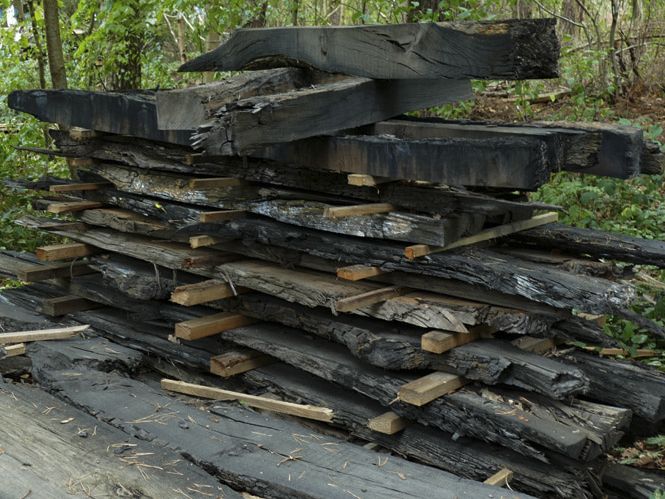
[496, 50]
[41, 335]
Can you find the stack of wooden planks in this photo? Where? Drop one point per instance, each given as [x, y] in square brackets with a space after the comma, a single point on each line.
[288, 231]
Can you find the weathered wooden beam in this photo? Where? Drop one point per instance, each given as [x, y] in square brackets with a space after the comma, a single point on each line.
[300, 410]
[442, 341]
[53, 271]
[423, 390]
[419, 250]
[235, 362]
[187, 108]
[515, 49]
[127, 221]
[64, 251]
[210, 325]
[501, 478]
[72, 206]
[388, 423]
[593, 148]
[596, 243]
[111, 112]
[64, 305]
[204, 292]
[41, 335]
[511, 162]
[239, 127]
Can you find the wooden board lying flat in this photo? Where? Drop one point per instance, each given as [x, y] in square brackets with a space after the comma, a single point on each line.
[204, 292]
[221, 216]
[358, 272]
[237, 362]
[41, 335]
[442, 341]
[64, 251]
[64, 305]
[209, 325]
[84, 186]
[53, 271]
[423, 390]
[369, 298]
[300, 410]
[357, 210]
[388, 423]
[12, 350]
[500, 478]
[516, 49]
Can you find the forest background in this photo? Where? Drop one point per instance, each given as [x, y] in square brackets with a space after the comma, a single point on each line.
[612, 69]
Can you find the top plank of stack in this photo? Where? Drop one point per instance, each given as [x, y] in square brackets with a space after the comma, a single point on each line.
[512, 50]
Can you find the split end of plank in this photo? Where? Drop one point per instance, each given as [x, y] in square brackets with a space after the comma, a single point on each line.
[424, 390]
[500, 478]
[369, 298]
[301, 410]
[357, 210]
[387, 423]
[358, 272]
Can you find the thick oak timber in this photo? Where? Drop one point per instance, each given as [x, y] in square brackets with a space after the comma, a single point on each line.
[599, 244]
[238, 361]
[514, 49]
[112, 112]
[513, 162]
[479, 267]
[300, 410]
[423, 390]
[593, 148]
[64, 251]
[41, 335]
[204, 292]
[210, 325]
[242, 126]
[580, 430]
[433, 199]
[36, 273]
[388, 423]
[64, 305]
[187, 108]
[400, 226]
[419, 250]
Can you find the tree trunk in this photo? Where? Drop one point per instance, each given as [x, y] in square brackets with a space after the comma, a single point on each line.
[56, 60]
[128, 71]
